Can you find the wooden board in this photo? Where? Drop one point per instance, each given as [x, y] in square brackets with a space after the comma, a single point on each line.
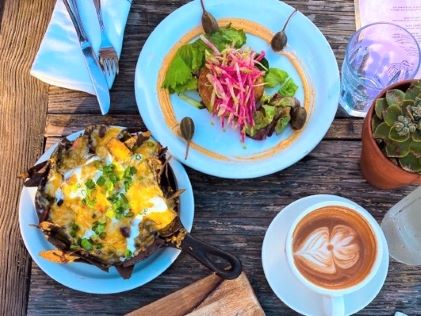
[209, 296]
[23, 108]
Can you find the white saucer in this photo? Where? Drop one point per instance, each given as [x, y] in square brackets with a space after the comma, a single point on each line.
[287, 287]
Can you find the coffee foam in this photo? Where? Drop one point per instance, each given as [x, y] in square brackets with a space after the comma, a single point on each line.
[334, 247]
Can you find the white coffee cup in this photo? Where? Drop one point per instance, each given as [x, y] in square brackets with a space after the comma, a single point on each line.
[334, 298]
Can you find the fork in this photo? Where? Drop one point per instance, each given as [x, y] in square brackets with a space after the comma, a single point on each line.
[108, 57]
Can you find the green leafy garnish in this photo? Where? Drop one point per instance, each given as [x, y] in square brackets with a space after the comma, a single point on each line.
[101, 181]
[275, 77]
[74, 228]
[128, 253]
[228, 36]
[178, 75]
[129, 172]
[289, 88]
[278, 77]
[86, 244]
[282, 124]
[98, 246]
[89, 202]
[190, 58]
[120, 205]
[263, 118]
[269, 113]
[90, 184]
[98, 228]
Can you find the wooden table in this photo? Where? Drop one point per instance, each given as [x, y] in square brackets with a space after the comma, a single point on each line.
[231, 214]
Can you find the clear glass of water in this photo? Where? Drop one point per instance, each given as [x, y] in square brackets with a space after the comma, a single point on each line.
[377, 56]
[402, 228]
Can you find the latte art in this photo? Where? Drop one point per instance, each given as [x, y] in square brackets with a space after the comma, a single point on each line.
[325, 251]
[334, 247]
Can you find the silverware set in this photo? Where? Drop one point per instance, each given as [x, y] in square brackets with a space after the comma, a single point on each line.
[102, 67]
[107, 55]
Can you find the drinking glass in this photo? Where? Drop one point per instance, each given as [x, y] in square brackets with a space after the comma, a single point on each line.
[377, 55]
[402, 228]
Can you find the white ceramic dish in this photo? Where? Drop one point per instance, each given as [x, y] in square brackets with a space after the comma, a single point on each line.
[285, 284]
[88, 278]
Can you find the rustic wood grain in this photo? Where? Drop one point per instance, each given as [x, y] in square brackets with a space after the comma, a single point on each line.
[65, 124]
[23, 107]
[232, 297]
[182, 301]
[208, 296]
[231, 214]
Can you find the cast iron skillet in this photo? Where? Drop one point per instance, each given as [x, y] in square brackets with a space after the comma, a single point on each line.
[174, 235]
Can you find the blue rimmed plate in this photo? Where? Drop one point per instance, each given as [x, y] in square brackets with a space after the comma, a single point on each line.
[88, 278]
[217, 151]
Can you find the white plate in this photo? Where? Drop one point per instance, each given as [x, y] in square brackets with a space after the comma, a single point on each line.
[287, 287]
[218, 152]
[88, 278]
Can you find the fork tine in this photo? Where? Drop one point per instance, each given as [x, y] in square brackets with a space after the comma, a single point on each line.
[109, 70]
[117, 68]
[102, 63]
[114, 65]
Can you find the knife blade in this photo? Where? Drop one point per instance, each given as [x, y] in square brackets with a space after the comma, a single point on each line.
[98, 79]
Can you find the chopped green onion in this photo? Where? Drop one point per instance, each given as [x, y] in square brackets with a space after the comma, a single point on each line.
[98, 228]
[86, 244]
[113, 178]
[124, 198]
[98, 246]
[90, 184]
[74, 228]
[127, 184]
[101, 181]
[109, 186]
[128, 253]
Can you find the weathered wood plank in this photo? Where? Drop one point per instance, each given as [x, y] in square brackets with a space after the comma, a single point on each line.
[234, 215]
[65, 124]
[23, 107]
[208, 296]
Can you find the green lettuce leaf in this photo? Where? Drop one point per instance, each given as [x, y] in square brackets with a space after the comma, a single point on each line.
[191, 57]
[179, 74]
[228, 36]
[275, 76]
[282, 124]
[289, 88]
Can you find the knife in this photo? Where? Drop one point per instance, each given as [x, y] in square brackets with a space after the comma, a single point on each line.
[99, 82]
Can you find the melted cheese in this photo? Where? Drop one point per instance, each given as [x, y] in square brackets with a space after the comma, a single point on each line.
[85, 202]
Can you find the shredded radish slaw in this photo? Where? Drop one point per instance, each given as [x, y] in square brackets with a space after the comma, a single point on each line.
[233, 74]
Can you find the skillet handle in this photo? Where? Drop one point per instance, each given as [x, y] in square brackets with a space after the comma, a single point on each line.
[202, 252]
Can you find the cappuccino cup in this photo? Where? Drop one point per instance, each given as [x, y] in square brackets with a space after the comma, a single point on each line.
[334, 249]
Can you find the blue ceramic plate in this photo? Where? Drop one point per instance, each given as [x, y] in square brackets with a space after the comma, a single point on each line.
[217, 151]
[87, 278]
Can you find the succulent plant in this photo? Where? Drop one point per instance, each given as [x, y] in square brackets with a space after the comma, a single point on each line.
[396, 126]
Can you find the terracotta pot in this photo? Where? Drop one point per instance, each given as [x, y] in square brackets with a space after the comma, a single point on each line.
[376, 168]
